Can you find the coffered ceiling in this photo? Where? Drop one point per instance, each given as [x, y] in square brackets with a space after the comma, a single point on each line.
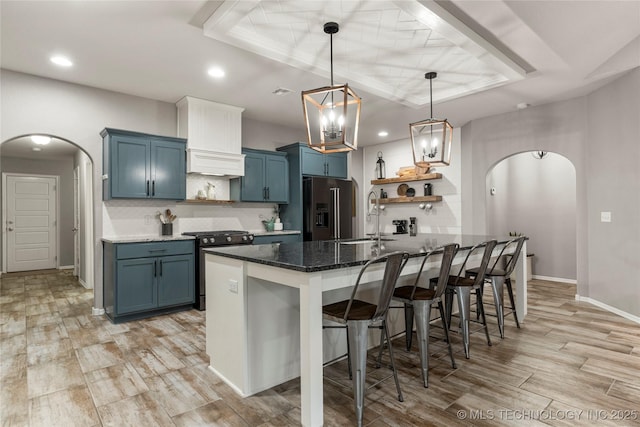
[489, 55]
[384, 47]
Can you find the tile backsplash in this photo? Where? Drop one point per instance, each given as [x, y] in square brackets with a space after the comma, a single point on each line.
[139, 217]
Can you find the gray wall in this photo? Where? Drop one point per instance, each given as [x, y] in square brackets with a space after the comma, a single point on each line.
[536, 197]
[578, 129]
[58, 167]
[77, 113]
[267, 136]
[613, 185]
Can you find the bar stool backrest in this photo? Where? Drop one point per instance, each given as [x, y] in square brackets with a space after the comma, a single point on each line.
[489, 246]
[448, 253]
[394, 263]
[508, 269]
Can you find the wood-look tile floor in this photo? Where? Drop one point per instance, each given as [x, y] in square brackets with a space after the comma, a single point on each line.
[570, 364]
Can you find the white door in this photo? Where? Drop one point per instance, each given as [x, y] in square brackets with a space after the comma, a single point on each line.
[31, 223]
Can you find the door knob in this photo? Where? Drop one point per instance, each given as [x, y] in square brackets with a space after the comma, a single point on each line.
[74, 229]
[9, 229]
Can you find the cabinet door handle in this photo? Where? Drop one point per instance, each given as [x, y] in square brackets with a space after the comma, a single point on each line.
[147, 187]
[153, 187]
[268, 195]
[160, 268]
[154, 268]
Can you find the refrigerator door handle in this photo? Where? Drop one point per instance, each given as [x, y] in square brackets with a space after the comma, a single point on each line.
[336, 212]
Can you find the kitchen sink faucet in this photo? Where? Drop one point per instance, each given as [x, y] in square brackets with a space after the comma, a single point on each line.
[376, 207]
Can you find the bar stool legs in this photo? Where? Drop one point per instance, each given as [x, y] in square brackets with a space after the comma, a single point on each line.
[408, 324]
[497, 288]
[422, 310]
[358, 337]
[464, 308]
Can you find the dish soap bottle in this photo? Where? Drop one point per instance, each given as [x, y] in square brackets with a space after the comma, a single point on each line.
[211, 191]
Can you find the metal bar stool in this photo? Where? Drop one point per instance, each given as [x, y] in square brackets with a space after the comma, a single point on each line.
[462, 287]
[359, 316]
[419, 300]
[499, 277]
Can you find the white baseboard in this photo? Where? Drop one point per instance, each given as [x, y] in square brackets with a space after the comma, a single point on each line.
[555, 279]
[97, 311]
[83, 283]
[607, 307]
[66, 267]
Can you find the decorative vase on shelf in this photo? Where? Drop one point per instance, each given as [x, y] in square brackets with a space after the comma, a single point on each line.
[211, 191]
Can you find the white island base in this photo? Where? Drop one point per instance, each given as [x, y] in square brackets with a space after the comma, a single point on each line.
[264, 324]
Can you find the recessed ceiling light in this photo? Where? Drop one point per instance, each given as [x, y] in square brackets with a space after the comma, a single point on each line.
[61, 61]
[36, 149]
[40, 139]
[522, 106]
[216, 72]
[383, 133]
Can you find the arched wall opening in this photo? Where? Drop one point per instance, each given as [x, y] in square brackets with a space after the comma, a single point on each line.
[536, 197]
[69, 160]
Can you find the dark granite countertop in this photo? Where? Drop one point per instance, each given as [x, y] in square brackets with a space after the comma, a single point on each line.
[328, 254]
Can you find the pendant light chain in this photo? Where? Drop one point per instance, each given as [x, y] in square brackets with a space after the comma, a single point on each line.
[331, 49]
[431, 96]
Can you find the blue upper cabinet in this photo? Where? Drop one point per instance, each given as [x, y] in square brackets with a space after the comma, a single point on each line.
[315, 163]
[266, 178]
[141, 166]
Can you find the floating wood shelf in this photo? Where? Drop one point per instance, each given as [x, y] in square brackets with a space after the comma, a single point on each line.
[410, 199]
[208, 202]
[407, 178]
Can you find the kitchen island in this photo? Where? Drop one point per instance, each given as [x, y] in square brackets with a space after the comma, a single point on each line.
[264, 310]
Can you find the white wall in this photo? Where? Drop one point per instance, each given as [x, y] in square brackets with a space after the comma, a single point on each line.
[537, 198]
[85, 176]
[445, 217]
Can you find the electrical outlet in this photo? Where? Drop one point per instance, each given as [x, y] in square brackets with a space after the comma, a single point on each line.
[605, 216]
[233, 286]
[147, 219]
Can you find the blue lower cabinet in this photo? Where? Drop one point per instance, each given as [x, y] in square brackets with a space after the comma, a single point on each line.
[174, 272]
[138, 290]
[281, 238]
[147, 279]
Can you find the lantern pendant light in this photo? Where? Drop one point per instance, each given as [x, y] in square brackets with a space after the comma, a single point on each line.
[331, 113]
[431, 138]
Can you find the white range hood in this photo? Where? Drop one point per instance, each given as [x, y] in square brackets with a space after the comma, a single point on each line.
[214, 137]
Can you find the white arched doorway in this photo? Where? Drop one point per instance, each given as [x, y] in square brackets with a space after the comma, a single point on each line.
[21, 157]
[534, 196]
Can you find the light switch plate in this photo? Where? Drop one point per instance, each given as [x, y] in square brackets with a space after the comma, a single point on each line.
[233, 286]
[605, 216]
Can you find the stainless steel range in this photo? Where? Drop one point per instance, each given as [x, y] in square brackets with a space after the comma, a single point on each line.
[207, 239]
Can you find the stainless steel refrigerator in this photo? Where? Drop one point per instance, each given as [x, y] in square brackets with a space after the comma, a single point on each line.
[327, 207]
